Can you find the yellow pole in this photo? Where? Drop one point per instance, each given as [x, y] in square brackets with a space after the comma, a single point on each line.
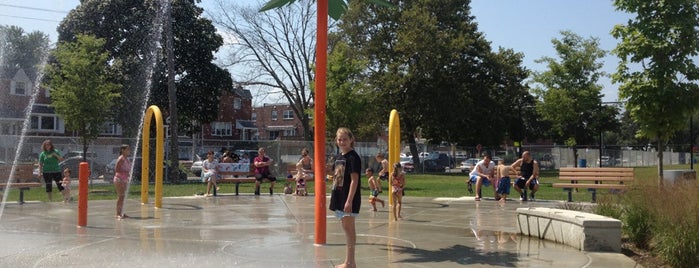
[393, 150]
[153, 111]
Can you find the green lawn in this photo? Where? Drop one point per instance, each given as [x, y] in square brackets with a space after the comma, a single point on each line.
[424, 185]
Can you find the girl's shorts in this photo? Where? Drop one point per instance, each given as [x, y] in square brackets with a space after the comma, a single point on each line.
[340, 214]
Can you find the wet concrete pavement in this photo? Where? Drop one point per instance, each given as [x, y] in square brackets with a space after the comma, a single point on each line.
[278, 231]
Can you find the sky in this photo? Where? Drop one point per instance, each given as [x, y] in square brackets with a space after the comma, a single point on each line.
[526, 26]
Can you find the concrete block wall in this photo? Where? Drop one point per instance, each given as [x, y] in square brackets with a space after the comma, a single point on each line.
[584, 231]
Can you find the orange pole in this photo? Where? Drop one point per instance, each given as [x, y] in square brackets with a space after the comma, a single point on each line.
[319, 121]
[83, 173]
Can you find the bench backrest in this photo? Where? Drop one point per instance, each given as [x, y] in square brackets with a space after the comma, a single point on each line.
[23, 173]
[597, 174]
[235, 168]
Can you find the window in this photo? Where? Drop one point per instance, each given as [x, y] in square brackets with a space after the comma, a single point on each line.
[19, 88]
[110, 128]
[221, 129]
[44, 122]
[237, 104]
[274, 115]
[253, 117]
[290, 132]
[288, 115]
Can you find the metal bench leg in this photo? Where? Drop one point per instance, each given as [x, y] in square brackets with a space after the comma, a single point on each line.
[21, 196]
[594, 196]
[570, 194]
[237, 184]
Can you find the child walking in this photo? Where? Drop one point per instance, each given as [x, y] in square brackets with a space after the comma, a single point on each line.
[398, 184]
[66, 185]
[375, 188]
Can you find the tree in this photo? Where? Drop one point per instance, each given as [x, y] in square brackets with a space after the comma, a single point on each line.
[657, 72]
[132, 31]
[569, 92]
[23, 50]
[335, 7]
[278, 46]
[427, 59]
[350, 103]
[80, 89]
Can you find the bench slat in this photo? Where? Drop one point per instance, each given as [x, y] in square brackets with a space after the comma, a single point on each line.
[603, 169]
[590, 185]
[16, 185]
[607, 178]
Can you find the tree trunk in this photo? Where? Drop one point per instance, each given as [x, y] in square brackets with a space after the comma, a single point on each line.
[660, 163]
[172, 96]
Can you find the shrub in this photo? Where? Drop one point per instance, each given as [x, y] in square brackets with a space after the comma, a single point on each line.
[676, 229]
[609, 205]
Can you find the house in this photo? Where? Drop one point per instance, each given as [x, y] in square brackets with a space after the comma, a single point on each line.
[16, 89]
[234, 120]
[277, 121]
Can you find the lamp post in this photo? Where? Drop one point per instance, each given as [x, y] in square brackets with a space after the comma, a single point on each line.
[601, 131]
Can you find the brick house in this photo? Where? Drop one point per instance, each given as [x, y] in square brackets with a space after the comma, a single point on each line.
[16, 89]
[277, 121]
[234, 120]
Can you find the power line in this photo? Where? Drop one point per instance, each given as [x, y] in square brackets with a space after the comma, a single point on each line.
[28, 18]
[36, 8]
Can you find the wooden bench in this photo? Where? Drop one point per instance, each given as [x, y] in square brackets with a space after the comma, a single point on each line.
[22, 179]
[238, 173]
[593, 179]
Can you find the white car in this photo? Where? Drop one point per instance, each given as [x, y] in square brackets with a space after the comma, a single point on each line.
[198, 164]
[467, 165]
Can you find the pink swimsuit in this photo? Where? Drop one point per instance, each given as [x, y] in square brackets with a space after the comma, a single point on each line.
[122, 174]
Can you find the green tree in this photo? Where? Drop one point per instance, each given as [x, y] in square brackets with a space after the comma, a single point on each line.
[427, 59]
[80, 89]
[335, 7]
[23, 50]
[348, 103]
[569, 92]
[131, 31]
[657, 70]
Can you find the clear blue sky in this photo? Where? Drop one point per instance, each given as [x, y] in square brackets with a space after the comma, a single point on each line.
[525, 26]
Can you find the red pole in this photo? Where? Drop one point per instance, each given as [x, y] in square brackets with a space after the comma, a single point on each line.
[82, 191]
[319, 121]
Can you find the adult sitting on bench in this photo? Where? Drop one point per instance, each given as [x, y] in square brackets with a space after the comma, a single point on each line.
[262, 164]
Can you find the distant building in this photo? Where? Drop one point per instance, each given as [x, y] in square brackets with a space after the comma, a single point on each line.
[234, 120]
[277, 121]
[16, 89]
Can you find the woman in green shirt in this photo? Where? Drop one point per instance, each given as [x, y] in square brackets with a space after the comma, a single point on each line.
[48, 166]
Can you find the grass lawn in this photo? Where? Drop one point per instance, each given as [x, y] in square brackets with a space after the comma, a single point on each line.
[423, 185]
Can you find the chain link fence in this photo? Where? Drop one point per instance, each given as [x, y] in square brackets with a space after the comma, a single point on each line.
[287, 153]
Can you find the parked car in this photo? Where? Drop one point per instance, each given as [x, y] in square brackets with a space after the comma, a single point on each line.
[73, 163]
[138, 163]
[251, 153]
[109, 170]
[71, 154]
[407, 163]
[437, 162]
[608, 161]
[198, 163]
[468, 164]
